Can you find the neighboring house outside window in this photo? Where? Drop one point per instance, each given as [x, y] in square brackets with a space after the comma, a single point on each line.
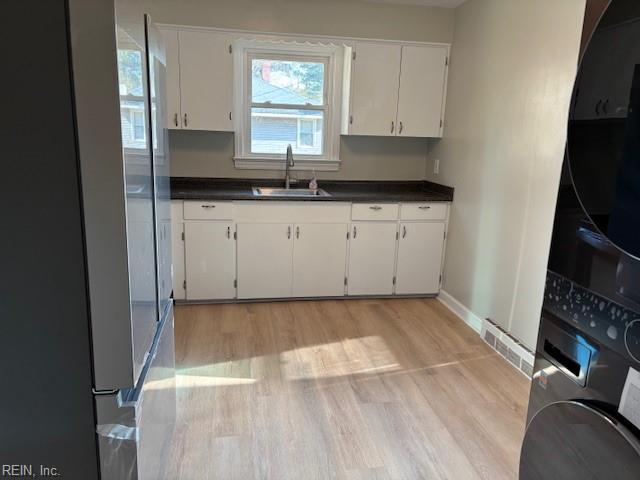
[132, 122]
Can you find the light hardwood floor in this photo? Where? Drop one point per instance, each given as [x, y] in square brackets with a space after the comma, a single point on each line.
[348, 389]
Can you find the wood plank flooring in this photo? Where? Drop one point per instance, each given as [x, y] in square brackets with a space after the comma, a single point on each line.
[348, 389]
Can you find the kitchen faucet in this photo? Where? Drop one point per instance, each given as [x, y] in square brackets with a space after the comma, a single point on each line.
[290, 163]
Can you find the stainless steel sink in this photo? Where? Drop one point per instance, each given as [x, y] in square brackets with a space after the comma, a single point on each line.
[289, 192]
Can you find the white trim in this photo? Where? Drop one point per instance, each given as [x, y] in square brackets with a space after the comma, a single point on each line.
[467, 316]
[480, 325]
[304, 37]
[277, 164]
[332, 55]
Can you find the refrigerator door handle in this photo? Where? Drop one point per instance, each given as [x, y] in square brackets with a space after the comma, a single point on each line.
[104, 392]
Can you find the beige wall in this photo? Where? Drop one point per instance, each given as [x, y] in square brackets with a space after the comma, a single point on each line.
[210, 154]
[512, 70]
[350, 18]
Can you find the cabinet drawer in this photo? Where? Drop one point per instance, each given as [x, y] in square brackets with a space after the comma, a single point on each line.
[208, 210]
[374, 211]
[423, 211]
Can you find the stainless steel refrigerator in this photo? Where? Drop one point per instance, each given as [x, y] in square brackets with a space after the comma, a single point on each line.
[86, 315]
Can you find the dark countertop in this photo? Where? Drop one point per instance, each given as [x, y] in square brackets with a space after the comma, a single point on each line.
[191, 188]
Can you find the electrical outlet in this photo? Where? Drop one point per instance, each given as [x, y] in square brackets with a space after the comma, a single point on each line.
[436, 166]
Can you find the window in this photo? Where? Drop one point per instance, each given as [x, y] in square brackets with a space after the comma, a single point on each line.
[138, 125]
[132, 100]
[288, 98]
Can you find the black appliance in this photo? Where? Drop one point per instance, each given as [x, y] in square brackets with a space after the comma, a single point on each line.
[86, 315]
[589, 338]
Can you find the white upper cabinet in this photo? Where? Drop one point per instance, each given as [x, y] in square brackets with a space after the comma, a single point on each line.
[170, 36]
[422, 88]
[396, 90]
[199, 79]
[374, 89]
[206, 80]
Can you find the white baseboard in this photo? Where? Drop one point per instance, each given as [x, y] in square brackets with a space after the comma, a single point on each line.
[461, 311]
[498, 340]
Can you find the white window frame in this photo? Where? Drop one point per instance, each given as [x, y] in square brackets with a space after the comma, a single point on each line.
[333, 58]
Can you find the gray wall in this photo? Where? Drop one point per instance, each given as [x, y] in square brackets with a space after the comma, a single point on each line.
[209, 154]
[512, 71]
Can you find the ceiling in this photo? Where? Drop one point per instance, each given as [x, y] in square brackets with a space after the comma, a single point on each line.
[424, 3]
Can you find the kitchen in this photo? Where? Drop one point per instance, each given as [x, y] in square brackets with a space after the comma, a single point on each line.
[333, 243]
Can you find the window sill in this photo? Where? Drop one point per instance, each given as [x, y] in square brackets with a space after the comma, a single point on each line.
[253, 163]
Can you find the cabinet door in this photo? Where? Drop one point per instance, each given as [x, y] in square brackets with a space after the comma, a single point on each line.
[206, 81]
[422, 83]
[372, 252]
[177, 251]
[319, 260]
[265, 260]
[419, 258]
[170, 37]
[374, 89]
[210, 260]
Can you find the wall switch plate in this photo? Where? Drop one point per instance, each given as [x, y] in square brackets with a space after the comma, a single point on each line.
[436, 166]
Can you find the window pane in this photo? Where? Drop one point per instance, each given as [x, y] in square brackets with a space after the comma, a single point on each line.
[287, 82]
[273, 129]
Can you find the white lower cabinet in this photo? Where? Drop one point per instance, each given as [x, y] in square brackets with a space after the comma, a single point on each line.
[265, 254]
[177, 251]
[293, 250]
[372, 258]
[420, 249]
[210, 260]
[319, 256]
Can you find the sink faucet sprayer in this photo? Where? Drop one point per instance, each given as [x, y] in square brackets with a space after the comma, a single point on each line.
[290, 163]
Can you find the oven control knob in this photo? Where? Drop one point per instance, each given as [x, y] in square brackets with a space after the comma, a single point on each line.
[612, 332]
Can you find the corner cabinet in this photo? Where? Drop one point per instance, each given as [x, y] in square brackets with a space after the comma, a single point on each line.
[199, 79]
[396, 90]
[372, 258]
[261, 250]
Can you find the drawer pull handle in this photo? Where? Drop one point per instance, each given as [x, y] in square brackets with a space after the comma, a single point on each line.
[208, 206]
[289, 232]
[376, 207]
[228, 232]
[355, 232]
[424, 207]
[404, 231]
[298, 232]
